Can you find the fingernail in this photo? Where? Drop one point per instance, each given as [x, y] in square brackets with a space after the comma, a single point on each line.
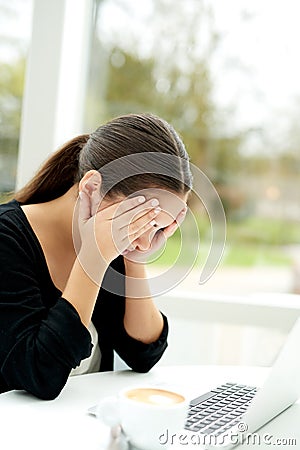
[155, 202]
[157, 210]
[80, 195]
[153, 223]
[141, 199]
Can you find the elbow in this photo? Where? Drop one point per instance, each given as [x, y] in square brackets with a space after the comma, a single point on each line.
[141, 368]
[43, 390]
[46, 394]
[145, 364]
[37, 384]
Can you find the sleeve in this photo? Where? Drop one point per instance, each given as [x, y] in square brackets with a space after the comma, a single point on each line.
[109, 314]
[38, 345]
[139, 356]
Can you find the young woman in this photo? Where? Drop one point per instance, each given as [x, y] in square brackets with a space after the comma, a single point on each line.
[73, 286]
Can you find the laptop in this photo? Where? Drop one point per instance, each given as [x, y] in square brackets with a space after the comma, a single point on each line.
[225, 416]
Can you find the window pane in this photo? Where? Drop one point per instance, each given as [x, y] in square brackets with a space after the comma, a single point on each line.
[227, 79]
[15, 25]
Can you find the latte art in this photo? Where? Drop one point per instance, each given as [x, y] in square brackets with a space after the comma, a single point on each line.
[158, 397]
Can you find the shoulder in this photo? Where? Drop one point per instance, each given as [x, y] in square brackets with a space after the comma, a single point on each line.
[6, 208]
[16, 235]
[11, 215]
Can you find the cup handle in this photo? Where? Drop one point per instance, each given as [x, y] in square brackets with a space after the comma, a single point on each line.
[108, 411]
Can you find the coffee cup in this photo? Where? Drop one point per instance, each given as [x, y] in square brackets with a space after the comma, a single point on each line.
[146, 414]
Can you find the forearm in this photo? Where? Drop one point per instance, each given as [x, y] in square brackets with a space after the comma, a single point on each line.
[142, 319]
[83, 287]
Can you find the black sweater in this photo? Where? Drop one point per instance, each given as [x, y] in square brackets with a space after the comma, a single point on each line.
[41, 335]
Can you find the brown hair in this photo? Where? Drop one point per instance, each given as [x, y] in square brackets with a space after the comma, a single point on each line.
[133, 134]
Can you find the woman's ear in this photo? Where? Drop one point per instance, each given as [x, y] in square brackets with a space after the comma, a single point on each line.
[90, 182]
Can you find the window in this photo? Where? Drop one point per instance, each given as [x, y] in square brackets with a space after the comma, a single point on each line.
[225, 74]
[15, 24]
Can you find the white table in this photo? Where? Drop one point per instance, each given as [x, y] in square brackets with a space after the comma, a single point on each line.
[27, 423]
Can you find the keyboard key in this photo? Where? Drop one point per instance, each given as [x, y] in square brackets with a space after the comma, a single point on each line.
[193, 420]
[201, 398]
[206, 404]
[220, 424]
[218, 414]
[198, 408]
[217, 390]
[188, 423]
[235, 413]
[219, 397]
[231, 416]
[205, 413]
[207, 421]
[195, 428]
[235, 396]
[243, 408]
[209, 430]
[228, 408]
[212, 409]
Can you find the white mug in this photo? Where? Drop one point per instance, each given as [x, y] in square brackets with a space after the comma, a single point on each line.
[147, 414]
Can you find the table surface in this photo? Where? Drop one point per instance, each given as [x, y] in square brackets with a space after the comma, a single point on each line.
[28, 423]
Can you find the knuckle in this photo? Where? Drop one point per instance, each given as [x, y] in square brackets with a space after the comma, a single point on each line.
[133, 228]
[133, 237]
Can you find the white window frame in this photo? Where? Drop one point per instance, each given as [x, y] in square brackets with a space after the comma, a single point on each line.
[54, 94]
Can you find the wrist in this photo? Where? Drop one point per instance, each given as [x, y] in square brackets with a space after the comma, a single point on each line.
[93, 264]
[134, 269]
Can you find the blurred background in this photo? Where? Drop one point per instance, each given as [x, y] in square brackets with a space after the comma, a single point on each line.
[226, 75]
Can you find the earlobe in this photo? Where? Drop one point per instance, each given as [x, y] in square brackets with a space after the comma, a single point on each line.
[90, 182]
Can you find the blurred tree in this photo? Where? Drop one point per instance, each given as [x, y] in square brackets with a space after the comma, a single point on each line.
[172, 80]
[12, 70]
[11, 91]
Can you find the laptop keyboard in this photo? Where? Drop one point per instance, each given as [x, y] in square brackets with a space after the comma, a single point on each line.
[220, 409]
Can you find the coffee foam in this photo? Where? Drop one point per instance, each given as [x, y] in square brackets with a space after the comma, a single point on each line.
[158, 397]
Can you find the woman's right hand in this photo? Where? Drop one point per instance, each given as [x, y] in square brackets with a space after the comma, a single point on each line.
[106, 233]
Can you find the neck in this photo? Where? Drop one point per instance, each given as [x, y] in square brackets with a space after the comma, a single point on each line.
[55, 217]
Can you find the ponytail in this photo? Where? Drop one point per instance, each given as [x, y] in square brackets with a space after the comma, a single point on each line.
[56, 176]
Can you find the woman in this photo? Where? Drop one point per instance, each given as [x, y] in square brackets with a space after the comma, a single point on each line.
[72, 285]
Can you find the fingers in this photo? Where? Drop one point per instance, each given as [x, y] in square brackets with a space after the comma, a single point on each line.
[140, 220]
[117, 209]
[141, 225]
[140, 211]
[170, 229]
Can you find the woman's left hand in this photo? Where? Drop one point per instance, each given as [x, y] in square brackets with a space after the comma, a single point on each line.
[158, 240]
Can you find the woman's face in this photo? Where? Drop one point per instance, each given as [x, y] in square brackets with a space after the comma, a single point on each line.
[170, 203]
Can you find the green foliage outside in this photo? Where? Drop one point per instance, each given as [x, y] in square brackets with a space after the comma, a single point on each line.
[251, 242]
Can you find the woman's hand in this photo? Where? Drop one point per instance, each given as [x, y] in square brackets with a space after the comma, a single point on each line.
[107, 232]
[158, 240]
